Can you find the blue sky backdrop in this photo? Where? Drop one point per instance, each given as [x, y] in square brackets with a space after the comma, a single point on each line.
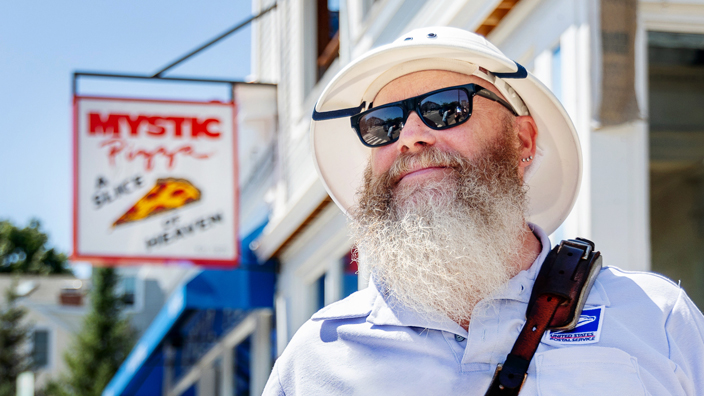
[43, 42]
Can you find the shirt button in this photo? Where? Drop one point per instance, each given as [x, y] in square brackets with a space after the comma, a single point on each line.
[459, 338]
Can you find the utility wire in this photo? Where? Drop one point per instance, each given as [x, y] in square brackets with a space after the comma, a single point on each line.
[213, 41]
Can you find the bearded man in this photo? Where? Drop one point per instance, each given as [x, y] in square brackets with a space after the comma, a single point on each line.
[450, 213]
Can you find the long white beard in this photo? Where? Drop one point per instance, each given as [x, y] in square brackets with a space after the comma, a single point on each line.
[442, 247]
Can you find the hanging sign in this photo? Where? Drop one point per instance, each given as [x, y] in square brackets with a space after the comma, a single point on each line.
[155, 181]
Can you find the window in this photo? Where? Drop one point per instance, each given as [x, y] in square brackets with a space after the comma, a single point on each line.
[338, 282]
[40, 348]
[320, 292]
[349, 273]
[127, 290]
[676, 140]
[328, 37]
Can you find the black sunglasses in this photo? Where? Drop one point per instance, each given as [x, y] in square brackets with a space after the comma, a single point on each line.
[440, 109]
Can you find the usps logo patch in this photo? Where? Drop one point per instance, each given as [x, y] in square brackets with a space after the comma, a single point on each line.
[588, 329]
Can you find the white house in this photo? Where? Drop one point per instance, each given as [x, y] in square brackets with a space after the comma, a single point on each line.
[642, 192]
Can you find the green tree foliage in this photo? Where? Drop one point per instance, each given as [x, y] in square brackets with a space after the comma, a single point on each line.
[14, 335]
[102, 345]
[25, 251]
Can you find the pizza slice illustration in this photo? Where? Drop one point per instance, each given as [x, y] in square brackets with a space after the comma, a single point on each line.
[168, 194]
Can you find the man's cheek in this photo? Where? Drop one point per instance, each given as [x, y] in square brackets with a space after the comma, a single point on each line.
[382, 159]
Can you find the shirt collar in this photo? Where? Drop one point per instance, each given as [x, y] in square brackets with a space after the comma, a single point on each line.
[520, 286]
[390, 312]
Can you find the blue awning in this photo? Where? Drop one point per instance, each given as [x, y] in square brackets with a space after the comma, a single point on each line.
[223, 292]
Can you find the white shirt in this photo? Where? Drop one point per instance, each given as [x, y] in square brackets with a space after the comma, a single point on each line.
[649, 341]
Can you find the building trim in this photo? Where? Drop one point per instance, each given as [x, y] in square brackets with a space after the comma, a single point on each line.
[497, 15]
[281, 231]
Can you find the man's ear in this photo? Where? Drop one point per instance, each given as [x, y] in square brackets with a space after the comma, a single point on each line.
[527, 132]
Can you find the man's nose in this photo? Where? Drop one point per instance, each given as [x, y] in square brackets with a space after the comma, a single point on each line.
[415, 135]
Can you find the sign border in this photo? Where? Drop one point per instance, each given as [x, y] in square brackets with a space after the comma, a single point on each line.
[104, 260]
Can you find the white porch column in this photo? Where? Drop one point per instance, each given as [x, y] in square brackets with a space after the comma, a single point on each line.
[168, 378]
[261, 352]
[227, 376]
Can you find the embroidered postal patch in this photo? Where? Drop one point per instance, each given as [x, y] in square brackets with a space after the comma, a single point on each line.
[588, 329]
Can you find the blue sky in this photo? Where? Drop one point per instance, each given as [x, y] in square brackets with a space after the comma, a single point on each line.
[42, 42]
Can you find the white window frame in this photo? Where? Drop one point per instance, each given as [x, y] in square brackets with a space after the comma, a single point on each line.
[674, 17]
[316, 251]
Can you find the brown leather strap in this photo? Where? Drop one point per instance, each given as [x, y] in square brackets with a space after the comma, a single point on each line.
[538, 320]
[509, 376]
[556, 302]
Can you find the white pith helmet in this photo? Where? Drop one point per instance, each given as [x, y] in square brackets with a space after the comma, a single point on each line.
[553, 177]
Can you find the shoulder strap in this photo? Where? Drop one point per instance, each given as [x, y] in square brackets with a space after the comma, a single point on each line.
[558, 296]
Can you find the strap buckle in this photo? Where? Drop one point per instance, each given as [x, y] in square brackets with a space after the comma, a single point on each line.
[579, 243]
[568, 272]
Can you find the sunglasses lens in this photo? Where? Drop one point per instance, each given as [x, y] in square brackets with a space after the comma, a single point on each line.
[447, 108]
[381, 126]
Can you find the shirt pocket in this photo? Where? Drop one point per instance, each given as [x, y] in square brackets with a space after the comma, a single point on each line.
[588, 370]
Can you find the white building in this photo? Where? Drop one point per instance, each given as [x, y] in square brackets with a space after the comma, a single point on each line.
[642, 194]
[56, 306]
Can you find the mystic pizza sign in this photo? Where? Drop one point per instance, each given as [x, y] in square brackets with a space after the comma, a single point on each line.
[155, 181]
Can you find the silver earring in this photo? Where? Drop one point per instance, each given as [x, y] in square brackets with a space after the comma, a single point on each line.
[530, 158]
